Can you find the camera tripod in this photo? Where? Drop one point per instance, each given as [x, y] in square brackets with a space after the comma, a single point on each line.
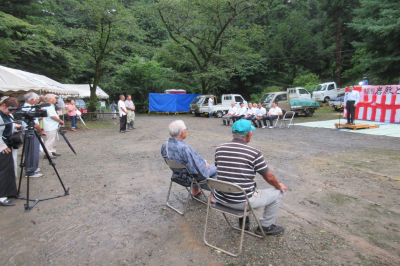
[27, 164]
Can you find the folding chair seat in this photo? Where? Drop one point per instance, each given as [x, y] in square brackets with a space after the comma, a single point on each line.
[288, 119]
[227, 187]
[185, 183]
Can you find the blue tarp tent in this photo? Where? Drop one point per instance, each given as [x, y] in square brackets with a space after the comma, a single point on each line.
[170, 102]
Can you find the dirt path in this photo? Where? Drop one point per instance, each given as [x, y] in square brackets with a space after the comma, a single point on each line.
[341, 208]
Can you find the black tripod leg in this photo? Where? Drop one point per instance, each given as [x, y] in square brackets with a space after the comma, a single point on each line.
[21, 165]
[51, 163]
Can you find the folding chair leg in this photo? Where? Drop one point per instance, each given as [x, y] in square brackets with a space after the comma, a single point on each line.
[185, 204]
[217, 248]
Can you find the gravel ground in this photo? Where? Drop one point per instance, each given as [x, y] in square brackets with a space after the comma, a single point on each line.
[341, 207]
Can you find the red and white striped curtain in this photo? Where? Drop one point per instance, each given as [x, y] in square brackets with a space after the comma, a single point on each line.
[378, 103]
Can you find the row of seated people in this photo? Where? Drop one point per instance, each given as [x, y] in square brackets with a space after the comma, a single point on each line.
[255, 113]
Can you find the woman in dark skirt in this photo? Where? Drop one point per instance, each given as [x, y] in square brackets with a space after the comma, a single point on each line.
[8, 186]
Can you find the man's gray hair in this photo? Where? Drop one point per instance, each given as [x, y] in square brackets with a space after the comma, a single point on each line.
[31, 96]
[176, 128]
[240, 136]
[47, 97]
[120, 96]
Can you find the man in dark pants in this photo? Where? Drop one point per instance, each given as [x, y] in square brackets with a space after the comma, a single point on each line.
[122, 114]
[273, 113]
[351, 100]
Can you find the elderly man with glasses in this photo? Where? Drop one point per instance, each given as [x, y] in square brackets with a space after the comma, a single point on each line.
[177, 150]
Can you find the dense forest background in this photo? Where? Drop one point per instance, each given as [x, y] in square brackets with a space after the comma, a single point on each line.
[203, 46]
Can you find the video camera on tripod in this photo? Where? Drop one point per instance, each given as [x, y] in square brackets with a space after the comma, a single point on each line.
[34, 111]
[28, 115]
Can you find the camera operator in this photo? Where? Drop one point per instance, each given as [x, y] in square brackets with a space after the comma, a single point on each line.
[51, 124]
[8, 186]
[32, 98]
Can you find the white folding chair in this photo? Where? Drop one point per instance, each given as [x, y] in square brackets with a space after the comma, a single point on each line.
[185, 183]
[227, 187]
[287, 119]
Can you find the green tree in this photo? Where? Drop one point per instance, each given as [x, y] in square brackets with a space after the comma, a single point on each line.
[30, 48]
[206, 30]
[102, 28]
[338, 13]
[379, 24]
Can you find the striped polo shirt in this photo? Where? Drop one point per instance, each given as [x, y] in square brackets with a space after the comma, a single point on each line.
[238, 163]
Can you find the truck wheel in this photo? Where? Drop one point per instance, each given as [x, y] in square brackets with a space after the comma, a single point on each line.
[336, 109]
[197, 114]
[309, 112]
[326, 99]
[219, 114]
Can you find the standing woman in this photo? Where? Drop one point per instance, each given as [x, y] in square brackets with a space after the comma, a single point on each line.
[71, 109]
[8, 185]
[210, 107]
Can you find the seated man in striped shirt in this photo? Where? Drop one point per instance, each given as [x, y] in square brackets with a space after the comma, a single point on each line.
[238, 163]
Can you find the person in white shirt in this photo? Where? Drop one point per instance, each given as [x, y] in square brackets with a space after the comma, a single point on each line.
[251, 111]
[273, 113]
[122, 114]
[210, 107]
[242, 112]
[232, 112]
[260, 113]
[51, 124]
[351, 100]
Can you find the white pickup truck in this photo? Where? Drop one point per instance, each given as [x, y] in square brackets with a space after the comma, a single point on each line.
[199, 104]
[325, 91]
[298, 92]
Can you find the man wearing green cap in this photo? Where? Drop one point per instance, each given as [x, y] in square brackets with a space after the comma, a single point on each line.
[238, 163]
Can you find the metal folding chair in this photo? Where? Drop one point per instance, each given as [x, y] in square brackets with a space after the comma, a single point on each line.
[286, 118]
[187, 184]
[276, 122]
[227, 187]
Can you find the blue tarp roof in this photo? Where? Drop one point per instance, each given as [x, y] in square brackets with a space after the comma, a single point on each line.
[159, 102]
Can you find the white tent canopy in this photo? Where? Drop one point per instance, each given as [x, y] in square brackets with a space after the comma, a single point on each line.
[84, 90]
[15, 82]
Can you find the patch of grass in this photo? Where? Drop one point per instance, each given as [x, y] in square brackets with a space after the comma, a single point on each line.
[340, 199]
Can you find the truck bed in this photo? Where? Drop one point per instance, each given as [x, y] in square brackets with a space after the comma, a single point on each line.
[301, 102]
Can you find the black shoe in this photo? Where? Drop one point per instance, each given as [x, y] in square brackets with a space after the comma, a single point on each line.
[246, 225]
[7, 202]
[122, 131]
[51, 157]
[56, 154]
[348, 124]
[271, 230]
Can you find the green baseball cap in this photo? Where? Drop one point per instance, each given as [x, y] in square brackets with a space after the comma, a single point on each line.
[242, 127]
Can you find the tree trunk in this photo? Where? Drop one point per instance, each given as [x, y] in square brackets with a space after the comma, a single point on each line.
[203, 86]
[338, 47]
[93, 95]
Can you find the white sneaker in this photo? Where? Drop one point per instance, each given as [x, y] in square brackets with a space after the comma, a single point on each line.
[37, 170]
[263, 127]
[35, 175]
[271, 127]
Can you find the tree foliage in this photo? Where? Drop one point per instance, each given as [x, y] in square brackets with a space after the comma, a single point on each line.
[206, 30]
[210, 46]
[379, 24]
